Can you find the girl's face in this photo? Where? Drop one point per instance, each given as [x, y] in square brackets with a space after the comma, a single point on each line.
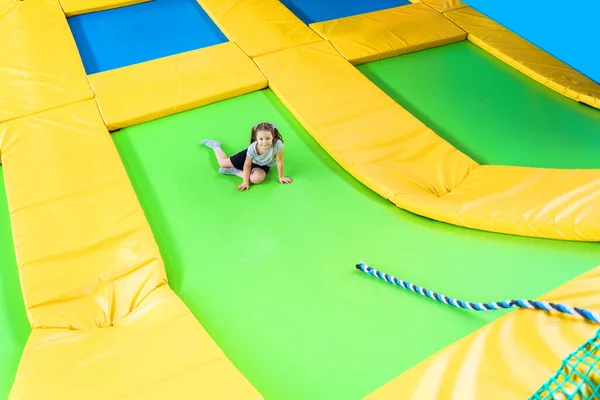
[264, 139]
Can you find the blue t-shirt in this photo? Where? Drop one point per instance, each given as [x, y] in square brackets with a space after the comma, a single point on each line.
[268, 158]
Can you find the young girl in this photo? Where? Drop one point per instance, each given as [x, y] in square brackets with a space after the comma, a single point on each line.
[253, 164]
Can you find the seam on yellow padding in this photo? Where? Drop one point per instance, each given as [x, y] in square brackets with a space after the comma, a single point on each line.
[142, 92]
[76, 7]
[469, 369]
[397, 156]
[444, 5]
[526, 57]
[259, 26]
[387, 33]
[36, 76]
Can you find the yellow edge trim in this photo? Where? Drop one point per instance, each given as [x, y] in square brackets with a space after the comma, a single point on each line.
[77, 7]
[394, 154]
[387, 33]
[258, 27]
[178, 83]
[526, 57]
[88, 260]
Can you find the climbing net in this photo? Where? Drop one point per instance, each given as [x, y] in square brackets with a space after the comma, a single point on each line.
[578, 378]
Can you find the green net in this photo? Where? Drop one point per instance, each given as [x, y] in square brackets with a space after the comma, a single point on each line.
[578, 377]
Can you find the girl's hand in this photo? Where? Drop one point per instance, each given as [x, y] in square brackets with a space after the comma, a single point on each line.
[283, 179]
[243, 186]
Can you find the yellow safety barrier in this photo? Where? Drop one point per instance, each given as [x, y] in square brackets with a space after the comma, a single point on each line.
[526, 57]
[76, 7]
[381, 34]
[258, 27]
[105, 323]
[397, 156]
[142, 92]
[482, 365]
[35, 75]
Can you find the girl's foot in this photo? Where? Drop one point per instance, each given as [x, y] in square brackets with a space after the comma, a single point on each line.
[213, 144]
[229, 171]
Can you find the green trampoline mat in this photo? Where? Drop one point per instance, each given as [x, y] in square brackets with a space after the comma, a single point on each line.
[489, 110]
[14, 326]
[270, 272]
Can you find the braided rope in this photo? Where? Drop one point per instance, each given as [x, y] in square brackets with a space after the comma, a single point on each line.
[529, 304]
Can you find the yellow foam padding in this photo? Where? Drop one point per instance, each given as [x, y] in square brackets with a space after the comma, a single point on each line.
[36, 74]
[397, 156]
[92, 277]
[142, 92]
[76, 7]
[526, 57]
[535, 202]
[442, 5]
[258, 26]
[507, 359]
[387, 33]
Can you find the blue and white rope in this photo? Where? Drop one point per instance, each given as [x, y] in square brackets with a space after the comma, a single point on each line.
[529, 304]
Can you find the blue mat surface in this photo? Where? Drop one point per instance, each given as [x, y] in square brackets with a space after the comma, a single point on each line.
[142, 32]
[310, 11]
[568, 31]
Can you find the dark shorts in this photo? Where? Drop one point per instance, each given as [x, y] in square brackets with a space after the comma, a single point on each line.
[238, 161]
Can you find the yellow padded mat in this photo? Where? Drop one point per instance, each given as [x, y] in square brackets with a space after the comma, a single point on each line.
[93, 281]
[258, 26]
[526, 57]
[397, 156]
[76, 7]
[442, 5]
[536, 202]
[482, 365]
[36, 76]
[381, 34]
[142, 92]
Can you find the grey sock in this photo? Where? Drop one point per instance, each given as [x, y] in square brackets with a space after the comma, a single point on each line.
[229, 171]
[213, 144]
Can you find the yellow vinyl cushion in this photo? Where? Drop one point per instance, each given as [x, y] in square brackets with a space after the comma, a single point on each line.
[40, 64]
[146, 91]
[381, 34]
[258, 26]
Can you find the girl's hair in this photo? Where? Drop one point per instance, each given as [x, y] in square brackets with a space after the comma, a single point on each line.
[266, 126]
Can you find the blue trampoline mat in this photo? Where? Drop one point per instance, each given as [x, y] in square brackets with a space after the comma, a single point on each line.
[129, 35]
[310, 11]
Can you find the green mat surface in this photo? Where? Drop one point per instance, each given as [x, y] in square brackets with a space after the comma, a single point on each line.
[14, 326]
[270, 272]
[489, 110]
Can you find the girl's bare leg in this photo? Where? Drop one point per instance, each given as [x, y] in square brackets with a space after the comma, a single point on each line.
[222, 159]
